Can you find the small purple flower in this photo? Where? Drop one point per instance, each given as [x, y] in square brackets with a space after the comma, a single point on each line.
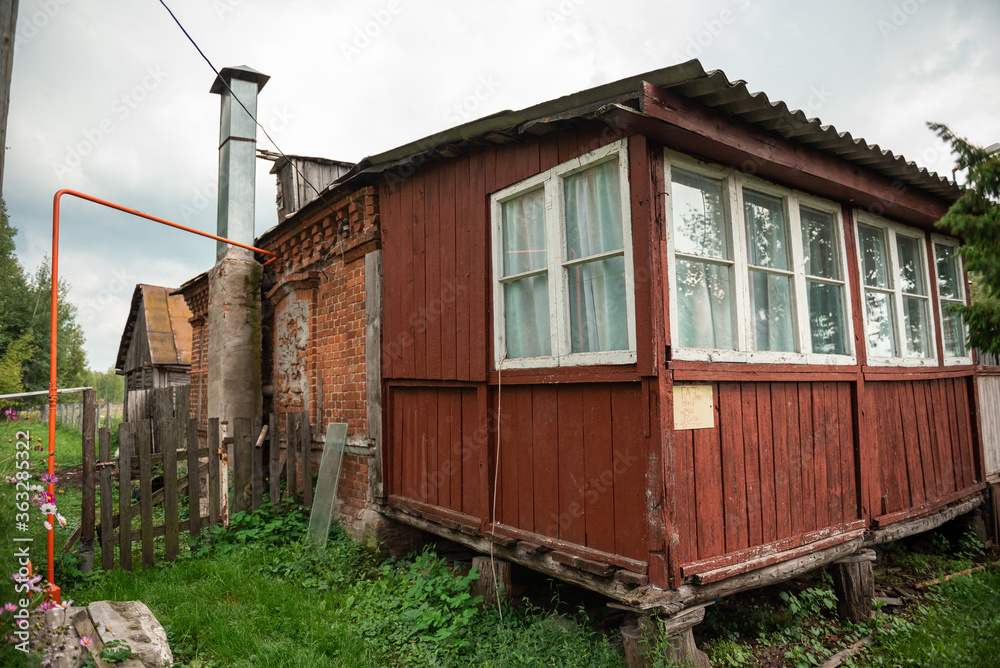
[9, 607]
[49, 478]
[86, 641]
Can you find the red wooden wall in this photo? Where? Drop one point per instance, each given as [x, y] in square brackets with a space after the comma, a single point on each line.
[924, 434]
[778, 464]
[437, 444]
[436, 253]
[573, 464]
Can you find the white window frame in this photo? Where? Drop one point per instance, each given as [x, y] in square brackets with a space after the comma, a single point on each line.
[893, 230]
[733, 184]
[936, 239]
[555, 236]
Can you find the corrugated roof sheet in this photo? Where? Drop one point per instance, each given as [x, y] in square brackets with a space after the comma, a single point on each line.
[712, 88]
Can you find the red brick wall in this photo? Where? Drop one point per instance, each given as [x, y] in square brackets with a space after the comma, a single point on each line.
[315, 344]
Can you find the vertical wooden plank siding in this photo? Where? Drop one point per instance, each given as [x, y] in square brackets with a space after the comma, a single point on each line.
[126, 446]
[821, 435]
[474, 446]
[628, 468]
[599, 512]
[927, 442]
[684, 498]
[754, 473]
[171, 432]
[523, 419]
[545, 449]
[782, 475]
[446, 304]
[572, 472]
[107, 502]
[144, 443]
[431, 315]
[751, 464]
[734, 486]
[765, 443]
[989, 401]
[465, 320]
[709, 506]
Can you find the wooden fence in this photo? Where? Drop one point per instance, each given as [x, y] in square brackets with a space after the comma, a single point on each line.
[260, 464]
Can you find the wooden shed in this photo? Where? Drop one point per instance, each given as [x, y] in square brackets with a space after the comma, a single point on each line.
[663, 338]
[155, 350]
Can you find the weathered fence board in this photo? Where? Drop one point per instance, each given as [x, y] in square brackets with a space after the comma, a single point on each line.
[170, 431]
[305, 438]
[193, 477]
[275, 459]
[144, 444]
[291, 468]
[214, 486]
[256, 481]
[126, 443]
[107, 508]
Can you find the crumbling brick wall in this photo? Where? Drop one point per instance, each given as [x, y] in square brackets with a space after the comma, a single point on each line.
[315, 340]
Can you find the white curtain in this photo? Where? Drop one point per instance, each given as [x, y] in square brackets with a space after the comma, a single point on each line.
[526, 300]
[597, 290]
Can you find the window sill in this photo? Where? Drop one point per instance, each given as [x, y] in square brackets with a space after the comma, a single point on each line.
[740, 357]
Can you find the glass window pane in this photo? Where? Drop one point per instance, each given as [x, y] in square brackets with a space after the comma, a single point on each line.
[947, 271]
[765, 219]
[911, 270]
[699, 215]
[953, 330]
[597, 306]
[526, 317]
[881, 342]
[524, 233]
[915, 327]
[704, 306]
[771, 306]
[593, 211]
[874, 263]
[826, 318]
[819, 243]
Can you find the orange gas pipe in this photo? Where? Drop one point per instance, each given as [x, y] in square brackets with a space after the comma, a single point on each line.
[53, 326]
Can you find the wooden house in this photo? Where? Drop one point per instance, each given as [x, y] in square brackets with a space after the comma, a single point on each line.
[662, 338]
[155, 350]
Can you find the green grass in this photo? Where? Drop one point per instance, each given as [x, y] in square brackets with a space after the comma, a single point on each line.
[957, 626]
[258, 602]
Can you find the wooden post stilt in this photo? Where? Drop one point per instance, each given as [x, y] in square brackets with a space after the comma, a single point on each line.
[494, 581]
[854, 582]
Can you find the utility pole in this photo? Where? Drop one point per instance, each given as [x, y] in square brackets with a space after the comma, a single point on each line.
[8, 26]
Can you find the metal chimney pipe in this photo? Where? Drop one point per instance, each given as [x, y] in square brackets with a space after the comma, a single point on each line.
[234, 317]
[237, 152]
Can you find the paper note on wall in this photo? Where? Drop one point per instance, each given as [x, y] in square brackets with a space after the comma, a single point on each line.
[693, 407]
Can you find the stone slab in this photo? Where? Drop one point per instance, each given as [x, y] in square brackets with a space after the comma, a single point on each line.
[132, 622]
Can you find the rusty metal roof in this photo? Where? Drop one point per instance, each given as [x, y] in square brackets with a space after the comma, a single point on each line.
[713, 89]
[166, 323]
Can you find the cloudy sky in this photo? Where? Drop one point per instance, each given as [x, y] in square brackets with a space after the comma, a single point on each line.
[109, 98]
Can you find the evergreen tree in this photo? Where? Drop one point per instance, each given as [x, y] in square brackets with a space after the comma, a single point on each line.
[975, 217]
